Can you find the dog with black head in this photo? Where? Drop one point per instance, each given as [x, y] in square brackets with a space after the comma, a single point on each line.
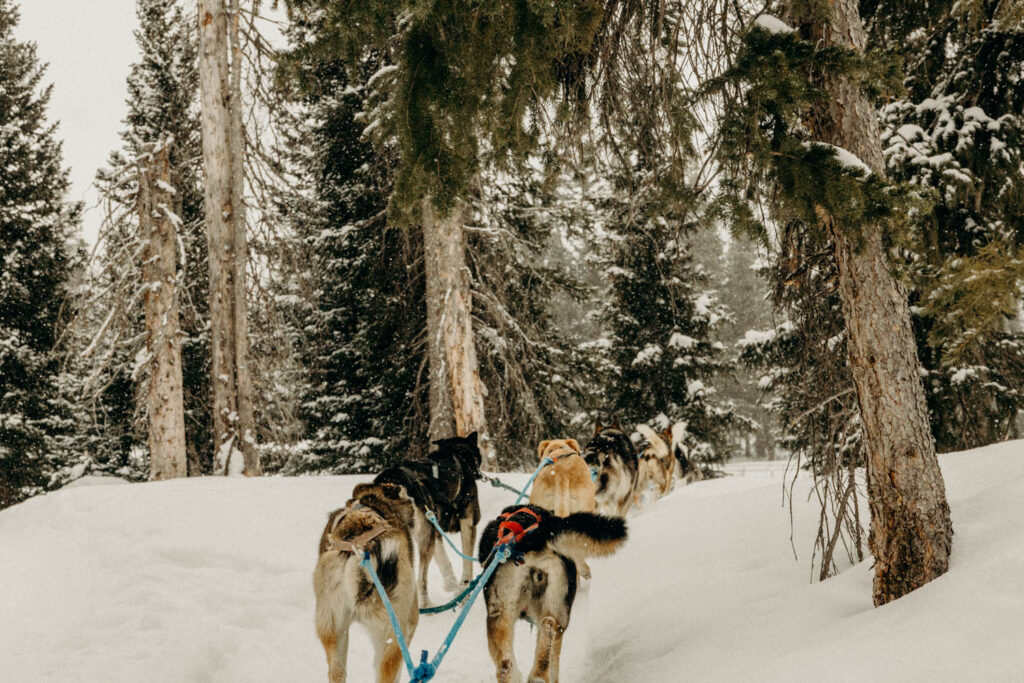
[539, 583]
[443, 483]
[613, 460]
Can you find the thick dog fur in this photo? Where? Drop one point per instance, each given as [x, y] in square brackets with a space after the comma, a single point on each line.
[344, 590]
[564, 486]
[612, 453]
[445, 483]
[542, 588]
[657, 467]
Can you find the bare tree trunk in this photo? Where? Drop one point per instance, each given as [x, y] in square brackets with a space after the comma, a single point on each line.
[911, 532]
[216, 126]
[243, 384]
[167, 458]
[442, 419]
[450, 300]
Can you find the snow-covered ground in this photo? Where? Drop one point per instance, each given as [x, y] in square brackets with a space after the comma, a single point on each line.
[210, 580]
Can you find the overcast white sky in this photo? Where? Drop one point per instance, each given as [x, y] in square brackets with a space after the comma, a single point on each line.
[89, 46]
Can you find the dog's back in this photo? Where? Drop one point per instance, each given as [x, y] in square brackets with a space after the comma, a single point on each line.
[564, 486]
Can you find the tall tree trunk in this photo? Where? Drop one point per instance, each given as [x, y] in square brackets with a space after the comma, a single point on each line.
[911, 532]
[243, 384]
[442, 418]
[216, 126]
[449, 309]
[167, 458]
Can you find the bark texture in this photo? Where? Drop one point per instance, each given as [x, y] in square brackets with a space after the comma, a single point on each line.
[450, 326]
[911, 532]
[227, 280]
[167, 457]
[246, 420]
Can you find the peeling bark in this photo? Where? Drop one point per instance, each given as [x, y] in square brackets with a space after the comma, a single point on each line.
[911, 532]
[450, 326]
[225, 217]
[167, 458]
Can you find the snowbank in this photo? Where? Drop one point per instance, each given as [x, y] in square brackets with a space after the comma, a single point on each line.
[210, 580]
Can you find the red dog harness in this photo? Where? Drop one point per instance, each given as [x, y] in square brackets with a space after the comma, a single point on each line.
[511, 531]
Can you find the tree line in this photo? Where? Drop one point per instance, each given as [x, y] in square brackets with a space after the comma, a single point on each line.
[793, 235]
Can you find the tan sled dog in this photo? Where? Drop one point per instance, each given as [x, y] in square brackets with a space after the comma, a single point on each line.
[377, 521]
[565, 486]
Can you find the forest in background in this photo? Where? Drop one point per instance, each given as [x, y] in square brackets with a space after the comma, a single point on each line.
[630, 188]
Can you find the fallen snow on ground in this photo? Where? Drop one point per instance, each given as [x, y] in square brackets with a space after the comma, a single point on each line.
[210, 580]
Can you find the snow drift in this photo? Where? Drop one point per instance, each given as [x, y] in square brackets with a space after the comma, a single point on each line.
[210, 580]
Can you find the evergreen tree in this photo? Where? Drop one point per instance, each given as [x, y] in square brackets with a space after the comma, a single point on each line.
[662, 317]
[36, 262]
[958, 131]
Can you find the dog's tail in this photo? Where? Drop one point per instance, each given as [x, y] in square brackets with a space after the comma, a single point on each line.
[585, 534]
[656, 442]
[384, 559]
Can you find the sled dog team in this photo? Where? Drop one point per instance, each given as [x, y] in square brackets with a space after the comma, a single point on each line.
[576, 510]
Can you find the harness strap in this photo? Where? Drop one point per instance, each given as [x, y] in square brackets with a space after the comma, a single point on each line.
[510, 531]
[356, 544]
[560, 451]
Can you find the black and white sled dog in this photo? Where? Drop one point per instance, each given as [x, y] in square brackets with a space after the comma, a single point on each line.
[611, 455]
[444, 483]
[539, 585]
[376, 520]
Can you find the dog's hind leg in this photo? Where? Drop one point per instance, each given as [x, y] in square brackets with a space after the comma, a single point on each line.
[335, 645]
[556, 653]
[444, 564]
[501, 629]
[468, 531]
[541, 672]
[426, 548]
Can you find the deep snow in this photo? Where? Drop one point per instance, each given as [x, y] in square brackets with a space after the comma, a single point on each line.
[210, 580]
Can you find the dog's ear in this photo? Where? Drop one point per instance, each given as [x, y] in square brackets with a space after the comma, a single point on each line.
[667, 436]
[541, 447]
[597, 428]
[474, 439]
[360, 489]
[616, 425]
[574, 444]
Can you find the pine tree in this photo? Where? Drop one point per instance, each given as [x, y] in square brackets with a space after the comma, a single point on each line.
[36, 262]
[803, 105]
[958, 131]
[662, 316]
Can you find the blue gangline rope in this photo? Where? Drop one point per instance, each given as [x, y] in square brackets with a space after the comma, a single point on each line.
[391, 610]
[426, 670]
[433, 520]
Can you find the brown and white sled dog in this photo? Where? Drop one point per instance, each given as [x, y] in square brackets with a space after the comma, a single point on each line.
[376, 520]
[541, 588]
[444, 483]
[656, 467]
[611, 455]
[565, 486]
